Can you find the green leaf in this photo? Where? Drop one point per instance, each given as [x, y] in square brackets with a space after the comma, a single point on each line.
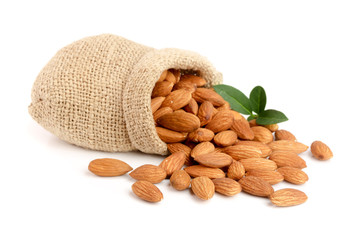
[271, 116]
[238, 101]
[258, 99]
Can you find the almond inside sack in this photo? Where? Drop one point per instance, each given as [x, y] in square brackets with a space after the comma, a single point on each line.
[96, 92]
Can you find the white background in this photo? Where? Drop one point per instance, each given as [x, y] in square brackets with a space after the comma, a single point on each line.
[306, 54]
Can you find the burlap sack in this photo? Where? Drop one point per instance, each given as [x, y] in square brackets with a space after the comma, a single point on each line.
[96, 92]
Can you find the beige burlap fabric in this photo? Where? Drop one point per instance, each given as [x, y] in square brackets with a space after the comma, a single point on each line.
[96, 92]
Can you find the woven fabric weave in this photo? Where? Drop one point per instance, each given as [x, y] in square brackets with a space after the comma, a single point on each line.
[96, 92]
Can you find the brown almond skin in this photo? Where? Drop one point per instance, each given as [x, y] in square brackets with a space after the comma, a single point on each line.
[156, 103]
[293, 175]
[201, 135]
[287, 159]
[288, 145]
[238, 152]
[221, 121]
[170, 136]
[176, 147]
[262, 134]
[288, 197]
[150, 173]
[192, 107]
[189, 86]
[205, 112]
[226, 186]
[321, 151]
[258, 164]
[198, 81]
[171, 77]
[272, 127]
[108, 167]
[160, 112]
[242, 128]
[163, 76]
[203, 188]
[173, 162]
[256, 186]
[272, 177]
[264, 148]
[177, 99]
[147, 191]
[225, 138]
[205, 94]
[202, 148]
[179, 121]
[284, 135]
[198, 171]
[214, 159]
[180, 180]
[162, 89]
[236, 170]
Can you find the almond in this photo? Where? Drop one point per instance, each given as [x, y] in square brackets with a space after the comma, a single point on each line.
[221, 121]
[179, 121]
[198, 171]
[162, 76]
[202, 148]
[225, 138]
[108, 167]
[272, 177]
[321, 151]
[170, 136]
[189, 86]
[226, 186]
[180, 180]
[226, 106]
[236, 170]
[237, 115]
[258, 164]
[284, 135]
[176, 73]
[201, 135]
[177, 99]
[288, 197]
[161, 111]
[256, 186]
[162, 89]
[192, 107]
[171, 77]
[173, 162]
[242, 129]
[272, 127]
[198, 81]
[293, 175]
[147, 191]
[156, 103]
[176, 147]
[287, 159]
[238, 152]
[148, 172]
[287, 145]
[253, 123]
[203, 187]
[205, 94]
[205, 113]
[262, 134]
[265, 149]
[215, 160]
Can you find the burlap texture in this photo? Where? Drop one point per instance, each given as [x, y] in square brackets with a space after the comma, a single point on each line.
[96, 92]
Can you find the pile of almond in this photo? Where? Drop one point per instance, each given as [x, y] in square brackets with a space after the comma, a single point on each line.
[215, 149]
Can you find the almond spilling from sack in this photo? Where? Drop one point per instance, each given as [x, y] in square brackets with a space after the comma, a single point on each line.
[214, 148]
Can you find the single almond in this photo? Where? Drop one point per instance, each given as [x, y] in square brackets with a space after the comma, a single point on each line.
[156, 103]
[214, 159]
[288, 145]
[238, 152]
[287, 159]
[192, 107]
[171, 77]
[189, 86]
[256, 186]
[253, 123]
[147, 191]
[160, 112]
[176, 147]
[293, 175]
[199, 170]
[150, 173]
[205, 112]
[198, 81]
[205, 94]
[108, 167]
[170, 136]
[237, 115]
[262, 134]
[236, 170]
[321, 151]
[177, 99]
[284, 135]
[225, 106]
[162, 76]
[272, 177]
[288, 197]
[180, 180]
[226, 186]
[179, 121]
[201, 135]
[221, 121]
[242, 129]
[264, 148]
[162, 89]
[225, 138]
[173, 162]
[258, 164]
[272, 127]
[202, 148]
[203, 187]
[177, 74]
